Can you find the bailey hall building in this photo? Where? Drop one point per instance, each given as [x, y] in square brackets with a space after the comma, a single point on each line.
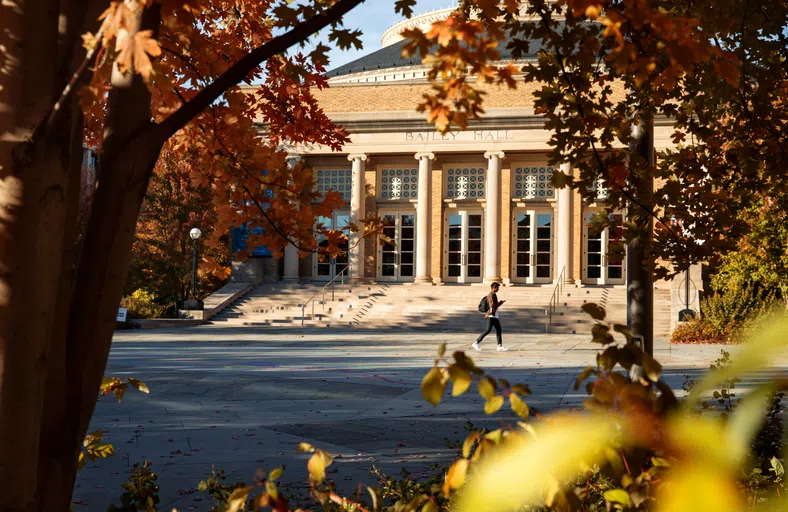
[465, 207]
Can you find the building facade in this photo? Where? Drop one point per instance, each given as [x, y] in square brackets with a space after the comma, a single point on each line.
[468, 206]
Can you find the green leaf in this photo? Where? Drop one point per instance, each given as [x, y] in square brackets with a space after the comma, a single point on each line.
[518, 406]
[652, 368]
[777, 467]
[493, 404]
[486, 389]
[442, 349]
[619, 496]
[461, 380]
[433, 386]
[276, 474]
[596, 312]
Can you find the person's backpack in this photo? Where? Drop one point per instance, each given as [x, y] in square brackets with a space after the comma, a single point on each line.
[484, 306]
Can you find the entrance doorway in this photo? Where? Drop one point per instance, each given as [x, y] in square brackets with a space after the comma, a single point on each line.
[532, 246]
[463, 242]
[599, 265]
[326, 267]
[396, 260]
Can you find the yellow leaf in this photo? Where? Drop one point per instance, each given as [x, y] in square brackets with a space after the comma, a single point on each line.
[138, 384]
[518, 406]
[433, 386]
[493, 404]
[460, 378]
[317, 466]
[701, 486]
[517, 473]
[486, 389]
[238, 498]
[275, 474]
[442, 349]
[652, 368]
[305, 447]
[455, 478]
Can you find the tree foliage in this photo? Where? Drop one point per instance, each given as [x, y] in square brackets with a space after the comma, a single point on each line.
[161, 260]
[714, 73]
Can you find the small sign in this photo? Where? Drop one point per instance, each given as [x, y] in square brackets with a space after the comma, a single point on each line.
[122, 312]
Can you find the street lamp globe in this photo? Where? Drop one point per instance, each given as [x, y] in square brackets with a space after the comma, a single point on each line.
[195, 233]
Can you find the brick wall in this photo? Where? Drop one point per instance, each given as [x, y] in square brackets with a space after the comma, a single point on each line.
[368, 97]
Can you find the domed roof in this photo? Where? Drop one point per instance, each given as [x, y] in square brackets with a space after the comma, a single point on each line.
[389, 57]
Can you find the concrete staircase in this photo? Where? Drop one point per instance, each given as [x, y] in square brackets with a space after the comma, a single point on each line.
[446, 308]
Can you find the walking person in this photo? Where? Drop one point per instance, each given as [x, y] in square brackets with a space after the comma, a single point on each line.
[491, 314]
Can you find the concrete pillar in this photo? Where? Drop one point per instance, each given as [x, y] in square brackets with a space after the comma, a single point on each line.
[423, 215]
[291, 253]
[565, 230]
[291, 264]
[492, 235]
[357, 195]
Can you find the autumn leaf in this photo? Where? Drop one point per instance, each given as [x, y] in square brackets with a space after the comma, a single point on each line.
[135, 52]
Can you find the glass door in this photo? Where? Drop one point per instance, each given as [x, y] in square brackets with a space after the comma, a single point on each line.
[463, 242]
[600, 265]
[325, 266]
[397, 259]
[532, 246]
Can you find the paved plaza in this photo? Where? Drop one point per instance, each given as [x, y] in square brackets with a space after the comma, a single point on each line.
[243, 398]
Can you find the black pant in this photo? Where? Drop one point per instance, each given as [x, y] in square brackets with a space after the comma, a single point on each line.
[492, 322]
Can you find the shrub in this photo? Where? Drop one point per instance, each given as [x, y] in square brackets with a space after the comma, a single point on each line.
[698, 330]
[142, 304]
[732, 307]
[141, 493]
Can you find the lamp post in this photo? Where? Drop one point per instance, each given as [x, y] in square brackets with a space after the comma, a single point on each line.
[195, 235]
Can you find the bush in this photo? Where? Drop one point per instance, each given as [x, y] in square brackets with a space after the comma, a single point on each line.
[729, 314]
[734, 306]
[142, 304]
[698, 330]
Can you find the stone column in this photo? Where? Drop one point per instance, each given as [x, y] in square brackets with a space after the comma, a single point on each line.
[423, 215]
[357, 212]
[492, 235]
[565, 230]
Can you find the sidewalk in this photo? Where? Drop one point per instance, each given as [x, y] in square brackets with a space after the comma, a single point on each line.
[244, 398]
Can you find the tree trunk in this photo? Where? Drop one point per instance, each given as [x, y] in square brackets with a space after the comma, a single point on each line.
[640, 285]
[34, 199]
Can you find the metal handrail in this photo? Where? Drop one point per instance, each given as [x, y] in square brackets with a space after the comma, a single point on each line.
[331, 283]
[553, 305]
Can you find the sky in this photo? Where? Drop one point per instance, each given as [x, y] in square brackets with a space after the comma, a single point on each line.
[373, 17]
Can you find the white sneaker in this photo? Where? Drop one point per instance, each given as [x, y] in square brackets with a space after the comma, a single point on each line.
[476, 347]
[501, 348]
